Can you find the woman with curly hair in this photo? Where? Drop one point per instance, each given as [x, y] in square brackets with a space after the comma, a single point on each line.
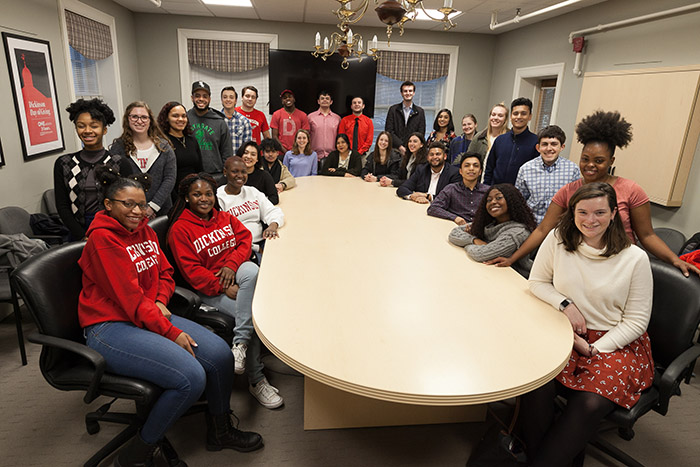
[501, 224]
[588, 265]
[147, 150]
[78, 192]
[416, 154]
[173, 121]
[600, 133]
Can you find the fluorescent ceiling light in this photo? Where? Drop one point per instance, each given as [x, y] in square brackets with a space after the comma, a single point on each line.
[243, 3]
[421, 16]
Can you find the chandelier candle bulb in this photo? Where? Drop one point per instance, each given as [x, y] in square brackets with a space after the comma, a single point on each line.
[325, 43]
[349, 36]
[448, 3]
[373, 44]
[359, 47]
[318, 39]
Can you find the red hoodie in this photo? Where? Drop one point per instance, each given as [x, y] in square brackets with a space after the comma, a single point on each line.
[202, 247]
[124, 274]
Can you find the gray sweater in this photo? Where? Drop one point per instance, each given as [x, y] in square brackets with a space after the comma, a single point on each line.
[163, 173]
[503, 239]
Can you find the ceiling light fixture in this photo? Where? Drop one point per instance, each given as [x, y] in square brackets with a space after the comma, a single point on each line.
[391, 13]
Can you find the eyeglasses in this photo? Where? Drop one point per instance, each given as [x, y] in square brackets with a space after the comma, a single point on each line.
[130, 204]
[136, 118]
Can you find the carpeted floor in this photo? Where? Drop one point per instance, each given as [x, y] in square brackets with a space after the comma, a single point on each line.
[41, 426]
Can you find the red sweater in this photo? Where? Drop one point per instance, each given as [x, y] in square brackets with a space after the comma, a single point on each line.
[124, 274]
[202, 247]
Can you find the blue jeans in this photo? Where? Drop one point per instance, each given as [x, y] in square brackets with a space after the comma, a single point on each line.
[242, 311]
[132, 351]
[242, 307]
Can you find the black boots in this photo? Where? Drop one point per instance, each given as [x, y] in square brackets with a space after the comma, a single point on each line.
[222, 435]
[169, 454]
[137, 453]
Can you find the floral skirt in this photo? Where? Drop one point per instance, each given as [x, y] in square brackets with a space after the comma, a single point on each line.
[619, 376]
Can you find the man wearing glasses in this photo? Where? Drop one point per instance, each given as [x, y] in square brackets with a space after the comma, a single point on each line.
[210, 129]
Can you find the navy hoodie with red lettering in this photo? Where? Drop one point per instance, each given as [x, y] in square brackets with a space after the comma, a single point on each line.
[124, 274]
[202, 247]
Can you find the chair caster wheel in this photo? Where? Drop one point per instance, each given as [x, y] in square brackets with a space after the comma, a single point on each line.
[92, 427]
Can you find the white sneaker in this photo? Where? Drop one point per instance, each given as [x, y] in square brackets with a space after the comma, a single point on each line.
[266, 394]
[239, 351]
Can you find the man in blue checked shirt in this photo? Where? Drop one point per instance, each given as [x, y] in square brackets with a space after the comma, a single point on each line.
[539, 179]
[238, 125]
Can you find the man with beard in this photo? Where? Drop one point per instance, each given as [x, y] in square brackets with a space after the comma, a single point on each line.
[286, 121]
[210, 129]
[429, 179]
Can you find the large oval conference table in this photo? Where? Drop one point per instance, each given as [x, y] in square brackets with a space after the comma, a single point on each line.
[389, 322]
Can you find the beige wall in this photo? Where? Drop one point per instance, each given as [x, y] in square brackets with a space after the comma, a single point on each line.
[667, 42]
[22, 183]
[159, 71]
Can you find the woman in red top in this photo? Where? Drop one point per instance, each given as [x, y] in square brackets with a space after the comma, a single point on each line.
[127, 283]
[212, 249]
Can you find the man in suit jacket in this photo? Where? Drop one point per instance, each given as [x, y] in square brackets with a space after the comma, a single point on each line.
[429, 179]
[405, 118]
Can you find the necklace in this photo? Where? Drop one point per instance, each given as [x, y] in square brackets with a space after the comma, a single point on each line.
[180, 139]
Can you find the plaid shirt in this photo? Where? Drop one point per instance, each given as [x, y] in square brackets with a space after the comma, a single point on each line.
[539, 182]
[240, 129]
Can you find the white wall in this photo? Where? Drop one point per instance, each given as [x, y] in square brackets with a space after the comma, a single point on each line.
[666, 42]
[22, 183]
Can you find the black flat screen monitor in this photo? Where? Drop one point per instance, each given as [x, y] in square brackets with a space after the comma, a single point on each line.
[307, 75]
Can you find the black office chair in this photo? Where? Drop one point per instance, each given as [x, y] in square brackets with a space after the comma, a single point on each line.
[7, 295]
[221, 323]
[50, 283]
[674, 319]
[672, 237]
[14, 220]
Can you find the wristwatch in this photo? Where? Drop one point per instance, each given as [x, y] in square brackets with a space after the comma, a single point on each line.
[564, 303]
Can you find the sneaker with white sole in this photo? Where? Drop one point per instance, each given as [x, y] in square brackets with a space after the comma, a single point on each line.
[266, 394]
[239, 350]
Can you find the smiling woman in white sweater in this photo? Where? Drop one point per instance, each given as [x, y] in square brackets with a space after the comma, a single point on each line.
[588, 269]
[248, 204]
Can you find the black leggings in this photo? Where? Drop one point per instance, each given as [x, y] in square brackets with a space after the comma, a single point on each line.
[551, 442]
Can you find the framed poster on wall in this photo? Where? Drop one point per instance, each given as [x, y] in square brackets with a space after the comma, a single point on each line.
[34, 92]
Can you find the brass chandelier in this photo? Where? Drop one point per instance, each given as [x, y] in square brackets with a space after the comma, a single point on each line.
[391, 13]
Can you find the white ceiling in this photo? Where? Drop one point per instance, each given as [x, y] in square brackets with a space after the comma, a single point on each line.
[475, 19]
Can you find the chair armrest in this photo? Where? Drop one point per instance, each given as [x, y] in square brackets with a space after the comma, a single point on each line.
[221, 323]
[84, 351]
[184, 302]
[672, 376]
[48, 238]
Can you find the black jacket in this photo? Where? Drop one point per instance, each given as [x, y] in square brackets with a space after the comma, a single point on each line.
[333, 159]
[399, 129]
[420, 180]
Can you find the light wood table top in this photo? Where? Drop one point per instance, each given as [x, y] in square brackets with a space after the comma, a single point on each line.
[364, 293]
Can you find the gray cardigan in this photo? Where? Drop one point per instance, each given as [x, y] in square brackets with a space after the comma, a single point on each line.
[503, 239]
[163, 173]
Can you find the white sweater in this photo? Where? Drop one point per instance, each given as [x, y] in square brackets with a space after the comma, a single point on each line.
[614, 294]
[252, 208]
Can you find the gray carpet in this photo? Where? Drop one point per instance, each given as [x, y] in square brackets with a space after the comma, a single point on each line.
[41, 426]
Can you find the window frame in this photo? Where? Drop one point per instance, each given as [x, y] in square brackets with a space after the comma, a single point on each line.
[207, 34]
[528, 84]
[451, 50]
[101, 17]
